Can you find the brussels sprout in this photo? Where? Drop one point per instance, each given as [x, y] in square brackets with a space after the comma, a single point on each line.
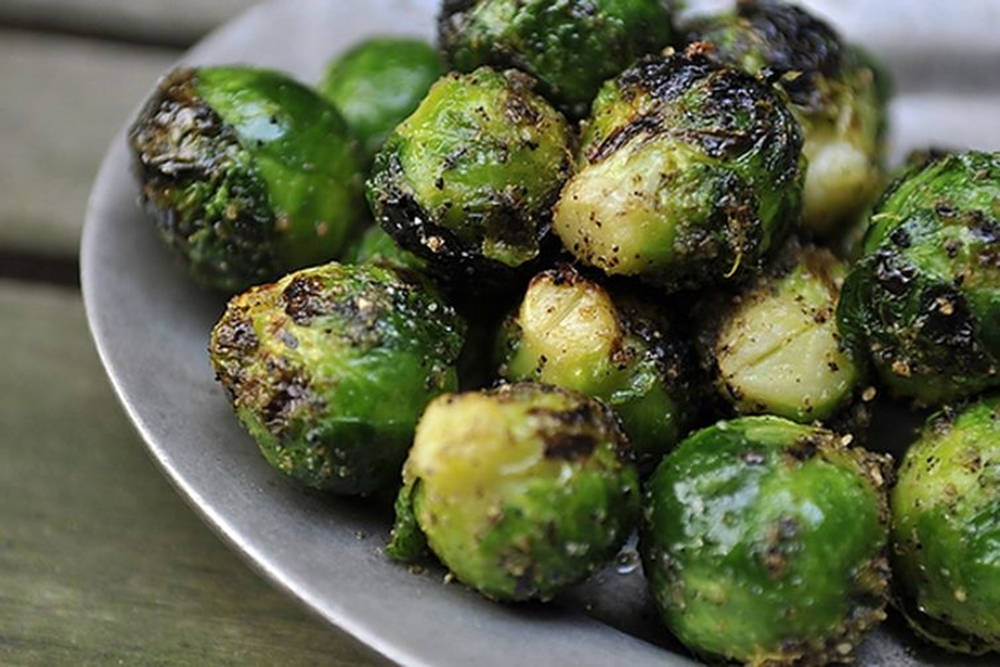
[775, 347]
[570, 46]
[836, 92]
[468, 180]
[377, 247]
[330, 368]
[380, 82]
[247, 173]
[946, 529]
[571, 332]
[520, 490]
[690, 173]
[764, 542]
[924, 300]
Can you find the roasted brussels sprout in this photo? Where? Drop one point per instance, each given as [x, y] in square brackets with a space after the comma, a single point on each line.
[924, 300]
[380, 82]
[570, 46]
[571, 332]
[377, 247]
[330, 368]
[775, 348]
[247, 173]
[689, 174]
[764, 542]
[520, 490]
[946, 529]
[836, 92]
[468, 180]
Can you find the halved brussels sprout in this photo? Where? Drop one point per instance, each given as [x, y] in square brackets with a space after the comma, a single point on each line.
[570, 46]
[572, 332]
[836, 91]
[468, 180]
[247, 173]
[520, 491]
[764, 542]
[330, 368]
[774, 348]
[380, 82]
[946, 528]
[924, 300]
[689, 174]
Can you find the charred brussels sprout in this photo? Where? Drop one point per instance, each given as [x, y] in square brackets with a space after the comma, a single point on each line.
[764, 540]
[376, 247]
[775, 348]
[946, 528]
[570, 46]
[380, 82]
[924, 299]
[468, 180]
[520, 490]
[689, 174]
[330, 368]
[836, 92]
[571, 332]
[247, 173]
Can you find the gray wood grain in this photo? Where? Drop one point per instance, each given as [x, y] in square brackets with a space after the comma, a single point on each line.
[178, 22]
[100, 561]
[63, 99]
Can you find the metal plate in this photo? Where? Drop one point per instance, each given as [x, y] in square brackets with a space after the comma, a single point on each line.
[151, 326]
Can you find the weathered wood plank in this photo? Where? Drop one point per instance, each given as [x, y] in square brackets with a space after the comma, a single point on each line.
[63, 99]
[100, 561]
[178, 22]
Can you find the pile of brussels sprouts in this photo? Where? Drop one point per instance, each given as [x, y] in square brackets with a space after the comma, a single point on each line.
[606, 291]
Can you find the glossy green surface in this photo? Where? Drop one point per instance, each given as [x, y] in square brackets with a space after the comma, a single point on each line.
[774, 348]
[572, 332]
[837, 93]
[763, 542]
[570, 46]
[521, 490]
[924, 299]
[689, 174]
[946, 529]
[378, 83]
[248, 173]
[375, 246]
[467, 181]
[330, 368]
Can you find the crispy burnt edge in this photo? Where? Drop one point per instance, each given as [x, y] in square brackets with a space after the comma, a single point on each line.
[153, 141]
[801, 49]
[714, 311]
[664, 78]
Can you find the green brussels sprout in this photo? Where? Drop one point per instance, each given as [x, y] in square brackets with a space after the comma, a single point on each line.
[775, 349]
[924, 299]
[521, 490]
[468, 180]
[247, 173]
[763, 541]
[378, 83]
[571, 332]
[570, 46]
[689, 174]
[836, 92]
[330, 368]
[946, 529]
[376, 246]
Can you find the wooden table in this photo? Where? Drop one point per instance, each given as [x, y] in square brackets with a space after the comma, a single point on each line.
[101, 562]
